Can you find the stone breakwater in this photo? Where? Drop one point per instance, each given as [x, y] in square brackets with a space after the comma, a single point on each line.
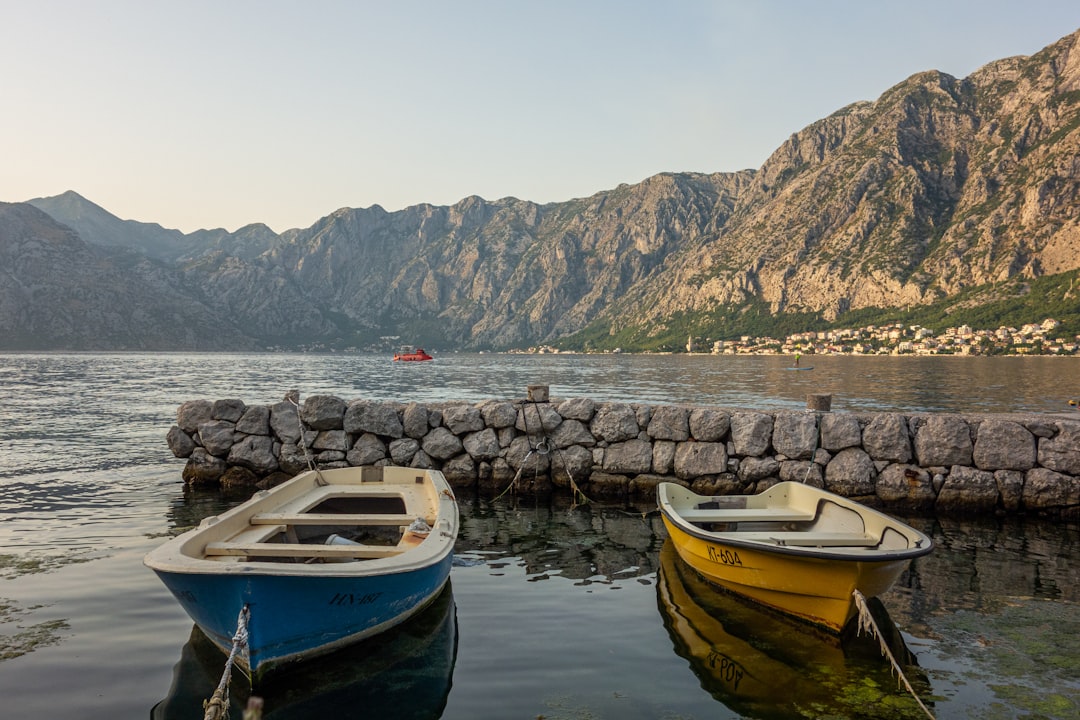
[945, 464]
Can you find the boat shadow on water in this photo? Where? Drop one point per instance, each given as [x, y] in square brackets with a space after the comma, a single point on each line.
[404, 673]
[764, 665]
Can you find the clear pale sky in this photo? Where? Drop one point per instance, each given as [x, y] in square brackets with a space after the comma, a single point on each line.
[203, 114]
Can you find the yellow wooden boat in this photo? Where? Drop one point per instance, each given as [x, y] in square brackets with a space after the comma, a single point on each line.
[793, 547]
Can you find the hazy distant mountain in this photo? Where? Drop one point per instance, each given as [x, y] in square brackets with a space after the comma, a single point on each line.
[58, 292]
[97, 226]
[938, 187]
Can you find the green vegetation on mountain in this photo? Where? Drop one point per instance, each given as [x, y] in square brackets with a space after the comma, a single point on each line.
[1011, 303]
[944, 202]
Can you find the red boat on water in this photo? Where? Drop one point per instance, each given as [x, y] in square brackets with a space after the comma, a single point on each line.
[410, 355]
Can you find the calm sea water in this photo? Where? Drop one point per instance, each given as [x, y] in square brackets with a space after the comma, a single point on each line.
[552, 611]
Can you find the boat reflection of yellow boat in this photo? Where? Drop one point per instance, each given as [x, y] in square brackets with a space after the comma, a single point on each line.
[793, 547]
[763, 664]
[405, 672]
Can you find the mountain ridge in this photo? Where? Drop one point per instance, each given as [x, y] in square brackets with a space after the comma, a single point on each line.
[939, 186]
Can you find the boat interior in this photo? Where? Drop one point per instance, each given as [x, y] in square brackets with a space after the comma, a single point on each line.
[337, 524]
[827, 524]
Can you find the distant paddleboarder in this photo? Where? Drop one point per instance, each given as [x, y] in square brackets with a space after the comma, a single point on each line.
[796, 359]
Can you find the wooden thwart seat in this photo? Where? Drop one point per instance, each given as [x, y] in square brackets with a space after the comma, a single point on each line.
[810, 539]
[746, 515]
[302, 550]
[368, 519]
[259, 533]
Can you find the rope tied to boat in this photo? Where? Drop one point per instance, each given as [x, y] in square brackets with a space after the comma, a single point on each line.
[319, 479]
[217, 707]
[543, 447]
[814, 449]
[869, 625]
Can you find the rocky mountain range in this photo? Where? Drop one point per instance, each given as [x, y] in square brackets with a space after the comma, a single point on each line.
[942, 190]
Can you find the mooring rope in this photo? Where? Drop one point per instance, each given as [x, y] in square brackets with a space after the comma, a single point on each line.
[543, 447]
[320, 480]
[575, 490]
[867, 623]
[814, 449]
[513, 483]
[524, 460]
[217, 707]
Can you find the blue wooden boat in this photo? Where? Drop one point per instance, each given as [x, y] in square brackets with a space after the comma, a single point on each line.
[405, 672]
[321, 561]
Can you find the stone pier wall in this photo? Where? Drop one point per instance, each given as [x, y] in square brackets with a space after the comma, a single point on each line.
[925, 463]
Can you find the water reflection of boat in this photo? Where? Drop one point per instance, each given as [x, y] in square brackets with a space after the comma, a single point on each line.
[403, 673]
[762, 664]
